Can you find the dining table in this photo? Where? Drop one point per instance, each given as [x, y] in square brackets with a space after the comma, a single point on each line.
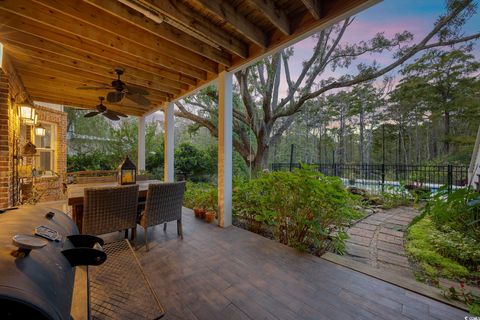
[75, 193]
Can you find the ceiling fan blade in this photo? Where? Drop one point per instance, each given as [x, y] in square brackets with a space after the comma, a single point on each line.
[91, 114]
[111, 116]
[138, 99]
[115, 96]
[120, 114]
[94, 88]
[136, 90]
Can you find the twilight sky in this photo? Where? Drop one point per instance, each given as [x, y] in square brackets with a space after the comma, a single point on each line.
[389, 16]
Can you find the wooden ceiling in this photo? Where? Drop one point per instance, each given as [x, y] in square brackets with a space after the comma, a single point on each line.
[169, 47]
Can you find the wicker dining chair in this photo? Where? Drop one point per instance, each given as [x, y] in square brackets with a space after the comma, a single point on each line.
[109, 209]
[163, 204]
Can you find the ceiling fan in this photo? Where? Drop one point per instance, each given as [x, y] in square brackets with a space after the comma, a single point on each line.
[122, 90]
[102, 109]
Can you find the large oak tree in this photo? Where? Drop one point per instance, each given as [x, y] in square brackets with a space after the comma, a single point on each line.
[263, 112]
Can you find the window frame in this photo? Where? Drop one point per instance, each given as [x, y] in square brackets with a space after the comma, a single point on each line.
[52, 150]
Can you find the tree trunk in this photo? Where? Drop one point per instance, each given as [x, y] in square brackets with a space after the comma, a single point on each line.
[446, 143]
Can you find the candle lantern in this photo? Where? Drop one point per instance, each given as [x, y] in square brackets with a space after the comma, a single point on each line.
[127, 172]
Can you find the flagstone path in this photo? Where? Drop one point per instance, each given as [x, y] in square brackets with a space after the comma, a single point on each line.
[378, 240]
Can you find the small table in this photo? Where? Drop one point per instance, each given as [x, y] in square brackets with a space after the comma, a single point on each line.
[75, 194]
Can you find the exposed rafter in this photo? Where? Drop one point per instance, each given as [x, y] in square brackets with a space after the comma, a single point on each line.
[178, 12]
[73, 67]
[314, 6]
[98, 40]
[142, 71]
[276, 15]
[163, 30]
[228, 13]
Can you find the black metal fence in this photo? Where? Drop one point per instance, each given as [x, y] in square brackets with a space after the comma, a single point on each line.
[378, 178]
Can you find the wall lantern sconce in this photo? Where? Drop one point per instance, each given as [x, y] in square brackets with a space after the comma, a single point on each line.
[127, 172]
[40, 131]
[28, 114]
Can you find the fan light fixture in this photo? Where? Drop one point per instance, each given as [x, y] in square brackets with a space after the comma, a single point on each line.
[40, 131]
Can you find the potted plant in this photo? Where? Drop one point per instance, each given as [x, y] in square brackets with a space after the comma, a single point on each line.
[199, 208]
[211, 205]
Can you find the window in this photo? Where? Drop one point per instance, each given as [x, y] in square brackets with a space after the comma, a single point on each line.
[45, 159]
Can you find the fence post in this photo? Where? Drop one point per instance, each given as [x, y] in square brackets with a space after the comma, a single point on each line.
[383, 177]
[450, 177]
[292, 147]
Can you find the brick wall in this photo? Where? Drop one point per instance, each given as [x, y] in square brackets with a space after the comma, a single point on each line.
[52, 187]
[5, 144]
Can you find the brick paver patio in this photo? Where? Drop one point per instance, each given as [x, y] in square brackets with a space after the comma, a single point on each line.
[378, 240]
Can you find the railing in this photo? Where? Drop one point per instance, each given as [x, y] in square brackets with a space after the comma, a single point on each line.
[91, 176]
[378, 178]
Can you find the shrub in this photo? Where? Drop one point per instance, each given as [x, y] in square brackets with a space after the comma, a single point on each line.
[459, 209]
[95, 160]
[191, 163]
[306, 209]
[199, 195]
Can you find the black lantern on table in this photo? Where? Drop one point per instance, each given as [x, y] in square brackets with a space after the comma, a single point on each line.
[127, 172]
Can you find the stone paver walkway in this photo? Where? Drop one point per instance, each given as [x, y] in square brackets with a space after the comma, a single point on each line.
[378, 240]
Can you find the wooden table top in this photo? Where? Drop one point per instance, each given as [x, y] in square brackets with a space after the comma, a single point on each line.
[75, 192]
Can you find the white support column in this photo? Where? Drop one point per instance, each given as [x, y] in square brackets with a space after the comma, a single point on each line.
[225, 120]
[169, 143]
[141, 144]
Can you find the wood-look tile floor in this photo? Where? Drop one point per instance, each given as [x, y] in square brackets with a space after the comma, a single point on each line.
[216, 273]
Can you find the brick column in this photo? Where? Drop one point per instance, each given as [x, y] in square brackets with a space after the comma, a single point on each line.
[5, 145]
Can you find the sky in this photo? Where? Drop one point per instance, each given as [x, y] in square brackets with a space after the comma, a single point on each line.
[391, 17]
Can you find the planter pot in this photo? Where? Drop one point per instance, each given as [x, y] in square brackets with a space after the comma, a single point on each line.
[210, 216]
[199, 212]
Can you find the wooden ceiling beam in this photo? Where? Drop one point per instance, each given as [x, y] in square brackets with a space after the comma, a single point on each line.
[147, 72]
[74, 67]
[163, 30]
[314, 7]
[180, 13]
[86, 21]
[274, 14]
[230, 15]
[101, 20]
[63, 27]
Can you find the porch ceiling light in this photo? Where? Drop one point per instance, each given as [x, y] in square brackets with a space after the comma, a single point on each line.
[28, 114]
[40, 131]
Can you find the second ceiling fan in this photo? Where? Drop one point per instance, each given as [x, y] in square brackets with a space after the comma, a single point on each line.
[104, 111]
[121, 91]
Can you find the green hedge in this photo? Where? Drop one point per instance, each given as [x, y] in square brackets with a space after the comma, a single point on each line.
[304, 208]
